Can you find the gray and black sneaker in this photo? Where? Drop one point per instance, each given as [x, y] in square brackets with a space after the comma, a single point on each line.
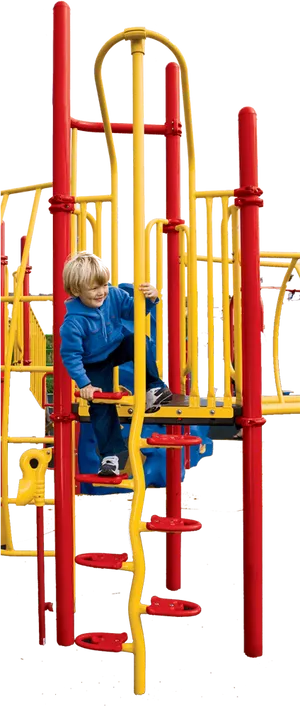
[156, 397]
[109, 466]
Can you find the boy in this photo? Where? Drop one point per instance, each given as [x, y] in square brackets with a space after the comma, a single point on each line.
[94, 341]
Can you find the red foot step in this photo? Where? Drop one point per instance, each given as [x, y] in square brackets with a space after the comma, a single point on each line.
[106, 395]
[172, 524]
[102, 561]
[106, 480]
[102, 641]
[166, 606]
[173, 440]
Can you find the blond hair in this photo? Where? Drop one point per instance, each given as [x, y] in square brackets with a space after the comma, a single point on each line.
[84, 271]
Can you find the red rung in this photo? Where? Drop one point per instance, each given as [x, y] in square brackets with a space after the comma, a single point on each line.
[172, 524]
[102, 641]
[173, 440]
[166, 606]
[106, 395]
[105, 480]
[102, 561]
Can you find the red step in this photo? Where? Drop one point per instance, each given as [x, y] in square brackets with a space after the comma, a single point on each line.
[106, 395]
[173, 440]
[102, 561]
[178, 608]
[102, 641]
[172, 524]
[106, 480]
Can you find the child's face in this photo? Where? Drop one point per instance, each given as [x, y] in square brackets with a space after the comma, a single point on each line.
[94, 296]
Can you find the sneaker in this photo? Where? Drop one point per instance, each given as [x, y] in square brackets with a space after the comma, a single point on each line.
[109, 466]
[239, 435]
[157, 396]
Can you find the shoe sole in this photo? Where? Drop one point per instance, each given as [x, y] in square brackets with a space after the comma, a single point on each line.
[164, 397]
[108, 473]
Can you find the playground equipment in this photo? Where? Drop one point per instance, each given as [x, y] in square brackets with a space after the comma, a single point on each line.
[243, 410]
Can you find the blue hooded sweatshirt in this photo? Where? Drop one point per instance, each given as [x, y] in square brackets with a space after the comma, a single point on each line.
[89, 335]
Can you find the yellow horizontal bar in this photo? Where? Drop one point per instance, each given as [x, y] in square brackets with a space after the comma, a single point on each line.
[290, 255]
[280, 408]
[12, 501]
[203, 258]
[30, 439]
[143, 609]
[22, 189]
[212, 194]
[273, 398]
[32, 298]
[188, 412]
[30, 368]
[127, 647]
[265, 263]
[93, 199]
[19, 552]
[127, 566]
[143, 527]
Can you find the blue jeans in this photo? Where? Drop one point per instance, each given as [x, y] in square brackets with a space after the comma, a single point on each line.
[104, 418]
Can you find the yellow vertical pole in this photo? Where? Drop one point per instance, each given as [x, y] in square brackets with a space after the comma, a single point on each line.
[73, 189]
[225, 302]
[182, 300]
[211, 399]
[237, 304]
[194, 392]
[137, 50]
[159, 306]
[97, 244]
[83, 226]
[147, 267]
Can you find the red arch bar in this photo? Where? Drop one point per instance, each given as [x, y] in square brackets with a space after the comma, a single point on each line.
[126, 128]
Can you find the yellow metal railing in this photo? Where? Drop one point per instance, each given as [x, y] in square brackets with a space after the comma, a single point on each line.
[38, 356]
[13, 361]
[159, 222]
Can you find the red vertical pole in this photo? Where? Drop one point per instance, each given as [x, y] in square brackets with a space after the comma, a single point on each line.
[62, 382]
[173, 456]
[3, 305]
[26, 310]
[248, 200]
[41, 573]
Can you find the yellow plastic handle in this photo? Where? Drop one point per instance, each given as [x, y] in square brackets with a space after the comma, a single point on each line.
[33, 464]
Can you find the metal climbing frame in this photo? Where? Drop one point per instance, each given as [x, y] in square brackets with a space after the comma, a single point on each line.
[66, 208]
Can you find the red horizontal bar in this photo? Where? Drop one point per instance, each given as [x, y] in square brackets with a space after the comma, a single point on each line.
[217, 555]
[125, 128]
[104, 480]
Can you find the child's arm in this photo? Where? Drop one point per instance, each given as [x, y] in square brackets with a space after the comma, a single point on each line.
[127, 302]
[71, 351]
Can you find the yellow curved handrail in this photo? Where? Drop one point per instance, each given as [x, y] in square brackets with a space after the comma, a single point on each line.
[6, 386]
[137, 37]
[151, 223]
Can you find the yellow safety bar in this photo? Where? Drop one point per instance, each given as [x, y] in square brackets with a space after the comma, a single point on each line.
[159, 222]
[7, 368]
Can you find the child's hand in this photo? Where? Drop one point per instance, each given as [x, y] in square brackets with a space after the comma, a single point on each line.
[149, 291]
[87, 392]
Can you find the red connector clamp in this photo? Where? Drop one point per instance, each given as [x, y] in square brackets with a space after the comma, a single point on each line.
[63, 418]
[102, 561]
[173, 127]
[63, 203]
[104, 480]
[250, 421]
[248, 196]
[172, 222]
[4, 260]
[48, 606]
